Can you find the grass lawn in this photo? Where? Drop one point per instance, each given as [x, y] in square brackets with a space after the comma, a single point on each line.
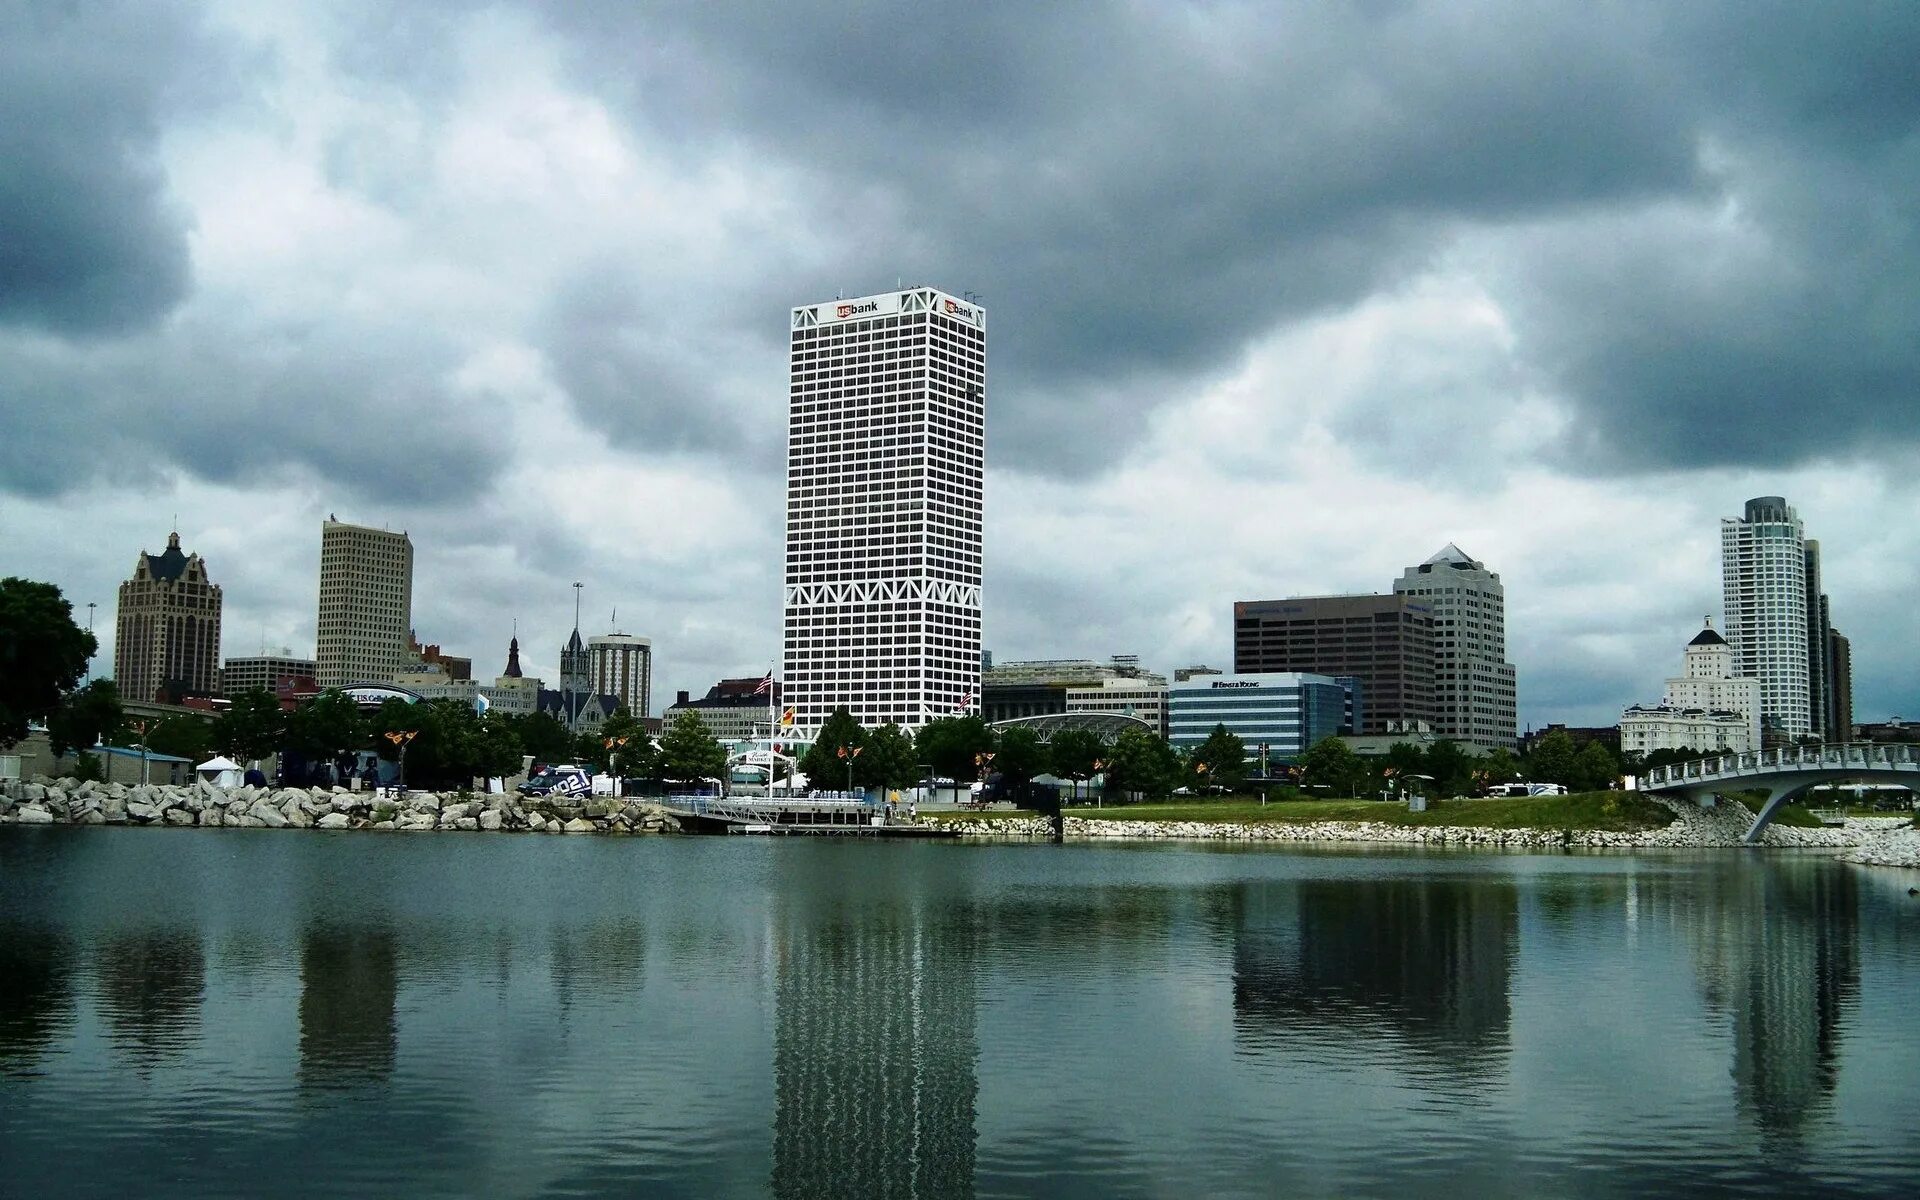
[1614, 812]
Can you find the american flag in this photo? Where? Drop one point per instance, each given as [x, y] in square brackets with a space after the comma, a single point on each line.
[766, 685]
[966, 702]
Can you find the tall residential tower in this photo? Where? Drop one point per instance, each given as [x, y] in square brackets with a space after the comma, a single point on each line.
[167, 637]
[1779, 622]
[366, 604]
[886, 464]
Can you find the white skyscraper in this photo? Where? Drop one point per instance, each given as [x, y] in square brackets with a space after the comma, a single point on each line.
[619, 664]
[366, 604]
[886, 461]
[1763, 572]
[1474, 696]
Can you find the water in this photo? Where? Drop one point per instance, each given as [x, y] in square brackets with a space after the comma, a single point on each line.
[209, 1012]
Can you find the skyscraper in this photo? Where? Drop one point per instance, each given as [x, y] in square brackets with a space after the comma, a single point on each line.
[621, 665]
[366, 604]
[1473, 683]
[886, 463]
[167, 635]
[1385, 643]
[1779, 621]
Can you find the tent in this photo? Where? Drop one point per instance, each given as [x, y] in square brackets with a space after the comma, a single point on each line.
[221, 772]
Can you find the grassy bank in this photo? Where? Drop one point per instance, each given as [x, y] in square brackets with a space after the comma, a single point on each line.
[1611, 812]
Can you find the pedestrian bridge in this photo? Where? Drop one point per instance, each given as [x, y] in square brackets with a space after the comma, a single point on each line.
[1105, 725]
[1787, 773]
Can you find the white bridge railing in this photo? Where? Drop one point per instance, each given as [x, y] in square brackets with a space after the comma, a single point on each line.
[1788, 760]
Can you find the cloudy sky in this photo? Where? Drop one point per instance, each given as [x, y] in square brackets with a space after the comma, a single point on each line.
[1283, 298]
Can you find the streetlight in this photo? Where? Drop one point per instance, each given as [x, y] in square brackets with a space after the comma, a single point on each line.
[400, 738]
[90, 607]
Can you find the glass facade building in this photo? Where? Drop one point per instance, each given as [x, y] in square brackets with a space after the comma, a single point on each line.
[1284, 711]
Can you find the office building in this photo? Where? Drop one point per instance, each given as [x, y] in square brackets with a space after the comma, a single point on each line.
[1384, 642]
[1473, 683]
[262, 672]
[1839, 725]
[1140, 698]
[1043, 687]
[1285, 712]
[621, 665]
[366, 604]
[733, 710]
[886, 460]
[167, 635]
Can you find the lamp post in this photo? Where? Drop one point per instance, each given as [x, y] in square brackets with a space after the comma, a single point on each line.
[90, 607]
[401, 738]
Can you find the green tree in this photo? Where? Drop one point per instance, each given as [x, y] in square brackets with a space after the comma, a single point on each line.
[632, 753]
[86, 715]
[252, 726]
[890, 760]
[543, 736]
[1221, 760]
[1451, 768]
[1329, 767]
[1498, 767]
[325, 725]
[1020, 756]
[956, 747]
[1554, 760]
[1077, 755]
[182, 736]
[497, 750]
[1595, 768]
[1141, 764]
[43, 654]
[824, 764]
[688, 752]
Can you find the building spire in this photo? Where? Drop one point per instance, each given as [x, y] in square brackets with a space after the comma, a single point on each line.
[513, 656]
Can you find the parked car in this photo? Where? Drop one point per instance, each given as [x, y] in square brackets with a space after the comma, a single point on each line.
[562, 779]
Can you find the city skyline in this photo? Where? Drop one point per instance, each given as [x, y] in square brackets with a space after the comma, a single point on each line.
[459, 274]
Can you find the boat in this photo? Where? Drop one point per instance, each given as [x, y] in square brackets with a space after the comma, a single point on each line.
[828, 814]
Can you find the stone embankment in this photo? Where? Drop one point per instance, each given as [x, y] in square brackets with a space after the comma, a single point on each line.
[46, 801]
[1895, 847]
[1724, 825]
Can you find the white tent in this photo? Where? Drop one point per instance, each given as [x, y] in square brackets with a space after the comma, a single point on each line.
[221, 772]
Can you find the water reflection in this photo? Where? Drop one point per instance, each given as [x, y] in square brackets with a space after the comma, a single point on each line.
[875, 1053]
[349, 979]
[151, 985]
[608, 958]
[1776, 953]
[1429, 960]
[36, 993]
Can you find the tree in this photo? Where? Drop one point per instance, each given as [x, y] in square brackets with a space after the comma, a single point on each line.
[1330, 767]
[1077, 754]
[496, 751]
[1020, 756]
[632, 755]
[43, 654]
[688, 752]
[1141, 764]
[956, 747]
[252, 726]
[1499, 767]
[86, 715]
[1221, 760]
[890, 759]
[1594, 768]
[1553, 760]
[182, 736]
[543, 736]
[824, 764]
[325, 725]
[1451, 767]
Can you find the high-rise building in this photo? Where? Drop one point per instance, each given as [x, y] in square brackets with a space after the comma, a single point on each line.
[621, 665]
[167, 636]
[366, 604]
[1473, 683]
[1777, 619]
[1385, 642]
[1840, 691]
[886, 462]
[1279, 715]
[1707, 706]
[263, 672]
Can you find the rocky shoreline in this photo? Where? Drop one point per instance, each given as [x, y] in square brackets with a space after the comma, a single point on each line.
[44, 801]
[1693, 827]
[1871, 841]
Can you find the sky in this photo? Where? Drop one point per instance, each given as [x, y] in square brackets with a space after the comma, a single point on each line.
[1282, 299]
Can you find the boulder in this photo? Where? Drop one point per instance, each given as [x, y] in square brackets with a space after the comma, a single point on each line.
[491, 820]
[32, 814]
[333, 820]
[212, 817]
[346, 802]
[142, 812]
[92, 816]
[296, 816]
[179, 816]
[412, 820]
[424, 802]
[466, 823]
[579, 825]
[536, 823]
[33, 793]
[267, 815]
[453, 810]
[315, 806]
[381, 825]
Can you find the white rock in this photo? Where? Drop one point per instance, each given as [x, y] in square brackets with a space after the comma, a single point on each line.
[267, 815]
[333, 820]
[142, 812]
[179, 816]
[490, 820]
[32, 814]
[579, 825]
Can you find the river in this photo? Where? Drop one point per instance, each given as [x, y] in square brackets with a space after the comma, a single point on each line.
[248, 1013]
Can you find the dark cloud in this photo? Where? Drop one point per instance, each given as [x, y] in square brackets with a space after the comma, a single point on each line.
[89, 241]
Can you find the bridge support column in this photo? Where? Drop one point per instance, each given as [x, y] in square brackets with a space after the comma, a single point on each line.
[1777, 795]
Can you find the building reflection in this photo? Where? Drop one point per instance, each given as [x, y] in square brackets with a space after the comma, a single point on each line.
[1775, 950]
[1429, 961]
[349, 982]
[151, 986]
[36, 993]
[874, 1052]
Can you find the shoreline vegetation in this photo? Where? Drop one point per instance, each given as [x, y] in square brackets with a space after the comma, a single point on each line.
[1595, 820]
